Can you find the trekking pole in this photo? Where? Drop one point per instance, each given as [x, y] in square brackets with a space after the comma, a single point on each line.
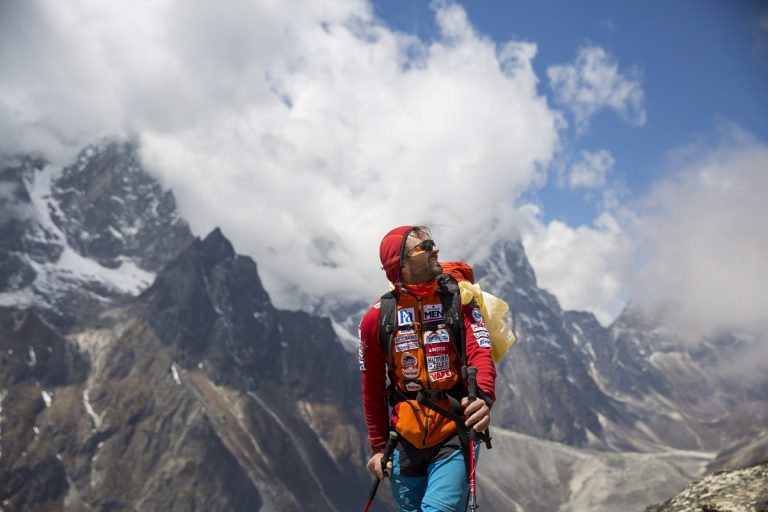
[384, 460]
[472, 375]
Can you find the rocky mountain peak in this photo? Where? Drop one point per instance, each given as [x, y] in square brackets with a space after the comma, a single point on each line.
[74, 239]
[110, 210]
[207, 298]
[215, 248]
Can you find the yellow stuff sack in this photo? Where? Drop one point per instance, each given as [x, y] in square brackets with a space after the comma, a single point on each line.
[493, 310]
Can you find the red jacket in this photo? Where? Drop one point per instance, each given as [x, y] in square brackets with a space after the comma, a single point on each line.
[422, 367]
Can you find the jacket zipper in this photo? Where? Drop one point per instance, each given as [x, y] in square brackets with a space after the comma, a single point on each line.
[426, 368]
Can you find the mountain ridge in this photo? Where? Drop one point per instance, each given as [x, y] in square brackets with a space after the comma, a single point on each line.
[191, 347]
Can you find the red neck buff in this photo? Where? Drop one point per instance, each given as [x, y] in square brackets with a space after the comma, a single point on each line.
[421, 290]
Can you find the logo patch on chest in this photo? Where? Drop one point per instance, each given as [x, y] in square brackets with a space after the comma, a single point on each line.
[405, 316]
[441, 375]
[413, 386]
[435, 363]
[406, 337]
[438, 336]
[408, 360]
[411, 345]
[433, 312]
[410, 373]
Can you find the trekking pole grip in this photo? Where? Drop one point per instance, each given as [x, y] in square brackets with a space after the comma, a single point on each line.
[388, 451]
[472, 378]
[384, 459]
[472, 393]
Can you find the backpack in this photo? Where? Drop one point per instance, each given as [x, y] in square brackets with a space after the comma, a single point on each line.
[450, 297]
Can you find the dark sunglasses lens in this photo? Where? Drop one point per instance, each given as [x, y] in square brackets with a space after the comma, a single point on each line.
[427, 245]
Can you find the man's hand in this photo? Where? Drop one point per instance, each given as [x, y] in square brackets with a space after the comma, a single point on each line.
[477, 414]
[374, 466]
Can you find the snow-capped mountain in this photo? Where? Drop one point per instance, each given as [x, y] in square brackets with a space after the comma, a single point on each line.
[73, 240]
[144, 368]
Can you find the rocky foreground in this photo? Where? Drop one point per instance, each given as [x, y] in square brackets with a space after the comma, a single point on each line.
[739, 490]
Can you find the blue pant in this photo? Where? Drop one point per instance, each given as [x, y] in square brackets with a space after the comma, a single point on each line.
[443, 489]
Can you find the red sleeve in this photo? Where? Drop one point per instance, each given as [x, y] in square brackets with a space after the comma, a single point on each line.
[479, 349]
[373, 376]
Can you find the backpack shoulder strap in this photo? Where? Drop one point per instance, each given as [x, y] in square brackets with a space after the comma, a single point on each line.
[450, 296]
[387, 324]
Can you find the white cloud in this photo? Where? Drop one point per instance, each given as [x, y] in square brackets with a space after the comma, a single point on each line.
[590, 169]
[703, 239]
[305, 132]
[593, 82]
[583, 266]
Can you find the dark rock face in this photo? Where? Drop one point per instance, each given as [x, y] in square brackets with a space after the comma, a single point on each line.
[194, 394]
[35, 352]
[545, 367]
[635, 385]
[737, 490]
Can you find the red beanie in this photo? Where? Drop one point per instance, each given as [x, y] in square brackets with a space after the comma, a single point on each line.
[391, 250]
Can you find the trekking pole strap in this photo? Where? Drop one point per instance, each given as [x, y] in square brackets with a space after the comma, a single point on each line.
[455, 416]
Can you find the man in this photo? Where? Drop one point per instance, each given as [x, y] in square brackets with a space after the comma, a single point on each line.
[428, 469]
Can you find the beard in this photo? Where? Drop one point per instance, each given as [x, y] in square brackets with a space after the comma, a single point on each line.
[436, 267]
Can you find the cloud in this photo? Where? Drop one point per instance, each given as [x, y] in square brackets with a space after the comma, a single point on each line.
[590, 169]
[304, 132]
[702, 240]
[691, 252]
[583, 266]
[593, 82]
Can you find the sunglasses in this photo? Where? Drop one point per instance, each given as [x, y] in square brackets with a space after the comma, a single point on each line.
[423, 246]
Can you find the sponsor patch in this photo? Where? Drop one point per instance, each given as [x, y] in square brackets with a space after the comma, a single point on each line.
[412, 345]
[408, 359]
[413, 386]
[433, 312]
[435, 363]
[438, 336]
[484, 342]
[377, 305]
[480, 331]
[437, 348]
[410, 373]
[441, 375]
[406, 337]
[477, 316]
[361, 358]
[405, 316]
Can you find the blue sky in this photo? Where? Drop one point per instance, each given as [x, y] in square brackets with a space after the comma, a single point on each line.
[700, 62]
